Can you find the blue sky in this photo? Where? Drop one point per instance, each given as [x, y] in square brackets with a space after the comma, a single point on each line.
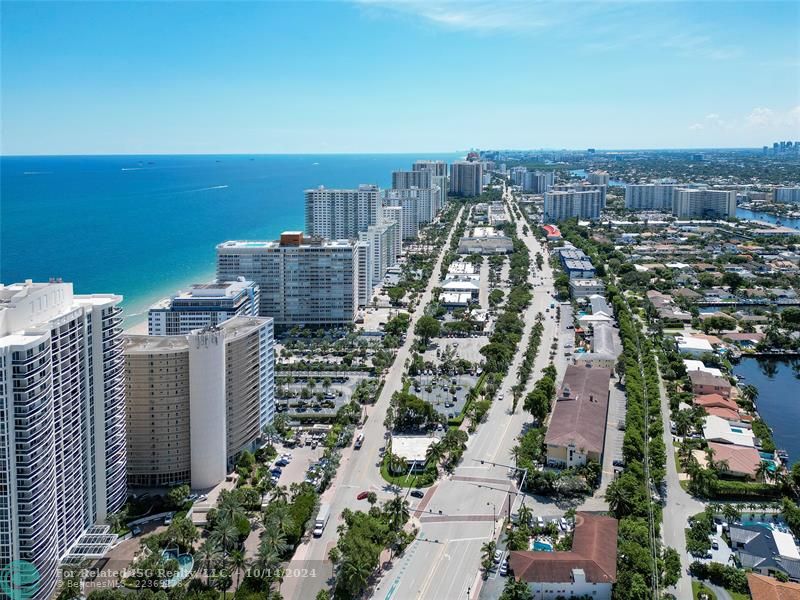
[376, 76]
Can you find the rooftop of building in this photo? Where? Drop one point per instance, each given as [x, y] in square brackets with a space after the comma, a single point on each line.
[579, 416]
[769, 588]
[294, 239]
[206, 291]
[594, 551]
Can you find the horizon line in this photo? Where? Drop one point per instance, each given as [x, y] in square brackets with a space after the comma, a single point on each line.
[357, 153]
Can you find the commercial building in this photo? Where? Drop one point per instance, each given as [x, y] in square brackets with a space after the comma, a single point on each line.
[563, 204]
[196, 401]
[342, 213]
[303, 281]
[203, 305]
[787, 194]
[537, 182]
[582, 288]
[588, 570]
[577, 428]
[689, 203]
[575, 263]
[649, 196]
[62, 423]
[485, 240]
[466, 178]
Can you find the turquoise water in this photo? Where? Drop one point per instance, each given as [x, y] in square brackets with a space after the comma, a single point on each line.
[778, 384]
[185, 565]
[541, 546]
[143, 226]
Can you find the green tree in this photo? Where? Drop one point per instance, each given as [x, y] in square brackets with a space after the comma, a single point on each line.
[427, 327]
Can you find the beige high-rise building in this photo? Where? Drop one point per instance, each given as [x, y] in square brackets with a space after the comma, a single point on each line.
[157, 375]
[196, 401]
[688, 203]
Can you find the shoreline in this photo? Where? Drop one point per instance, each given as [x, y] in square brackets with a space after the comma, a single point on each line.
[135, 315]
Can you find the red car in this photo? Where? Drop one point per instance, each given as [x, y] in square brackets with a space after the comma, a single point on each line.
[362, 495]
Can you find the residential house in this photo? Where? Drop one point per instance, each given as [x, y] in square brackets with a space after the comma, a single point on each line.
[705, 383]
[767, 551]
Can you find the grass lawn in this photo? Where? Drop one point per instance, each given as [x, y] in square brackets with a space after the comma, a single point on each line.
[739, 595]
[421, 480]
[696, 588]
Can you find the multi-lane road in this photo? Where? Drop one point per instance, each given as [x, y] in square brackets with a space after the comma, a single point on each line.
[359, 469]
[465, 510]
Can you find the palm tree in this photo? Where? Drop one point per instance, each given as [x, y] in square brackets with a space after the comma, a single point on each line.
[207, 555]
[267, 560]
[487, 555]
[282, 517]
[398, 512]
[515, 453]
[762, 471]
[273, 539]
[731, 513]
[279, 494]
[516, 590]
[434, 453]
[525, 514]
[354, 573]
[238, 564]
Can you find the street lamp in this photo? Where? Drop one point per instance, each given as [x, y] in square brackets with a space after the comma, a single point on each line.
[516, 469]
[494, 517]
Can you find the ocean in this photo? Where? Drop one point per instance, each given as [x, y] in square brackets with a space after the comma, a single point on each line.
[145, 226]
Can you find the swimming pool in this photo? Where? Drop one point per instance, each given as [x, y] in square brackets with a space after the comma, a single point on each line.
[185, 565]
[542, 546]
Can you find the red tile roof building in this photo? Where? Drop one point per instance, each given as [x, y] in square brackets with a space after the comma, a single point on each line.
[589, 569]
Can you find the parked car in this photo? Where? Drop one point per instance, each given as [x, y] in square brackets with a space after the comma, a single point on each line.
[418, 493]
[136, 530]
[619, 463]
[715, 545]
[498, 555]
[504, 568]
[362, 495]
[563, 524]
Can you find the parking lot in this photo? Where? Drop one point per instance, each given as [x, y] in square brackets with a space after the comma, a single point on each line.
[438, 390]
[467, 348]
[332, 398]
[295, 471]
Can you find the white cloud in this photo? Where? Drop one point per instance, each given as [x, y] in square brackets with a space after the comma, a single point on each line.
[759, 119]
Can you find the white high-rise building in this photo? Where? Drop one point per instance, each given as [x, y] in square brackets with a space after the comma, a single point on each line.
[203, 305]
[382, 243]
[62, 422]
[537, 182]
[303, 281]
[787, 194]
[517, 175]
[343, 213]
[416, 208]
[466, 178]
[438, 168]
[598, 177]
[582, 187]
[394, 214]
[649, 196]
[403, 180]
[196, 401]
[560, 205]
[690, 203]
